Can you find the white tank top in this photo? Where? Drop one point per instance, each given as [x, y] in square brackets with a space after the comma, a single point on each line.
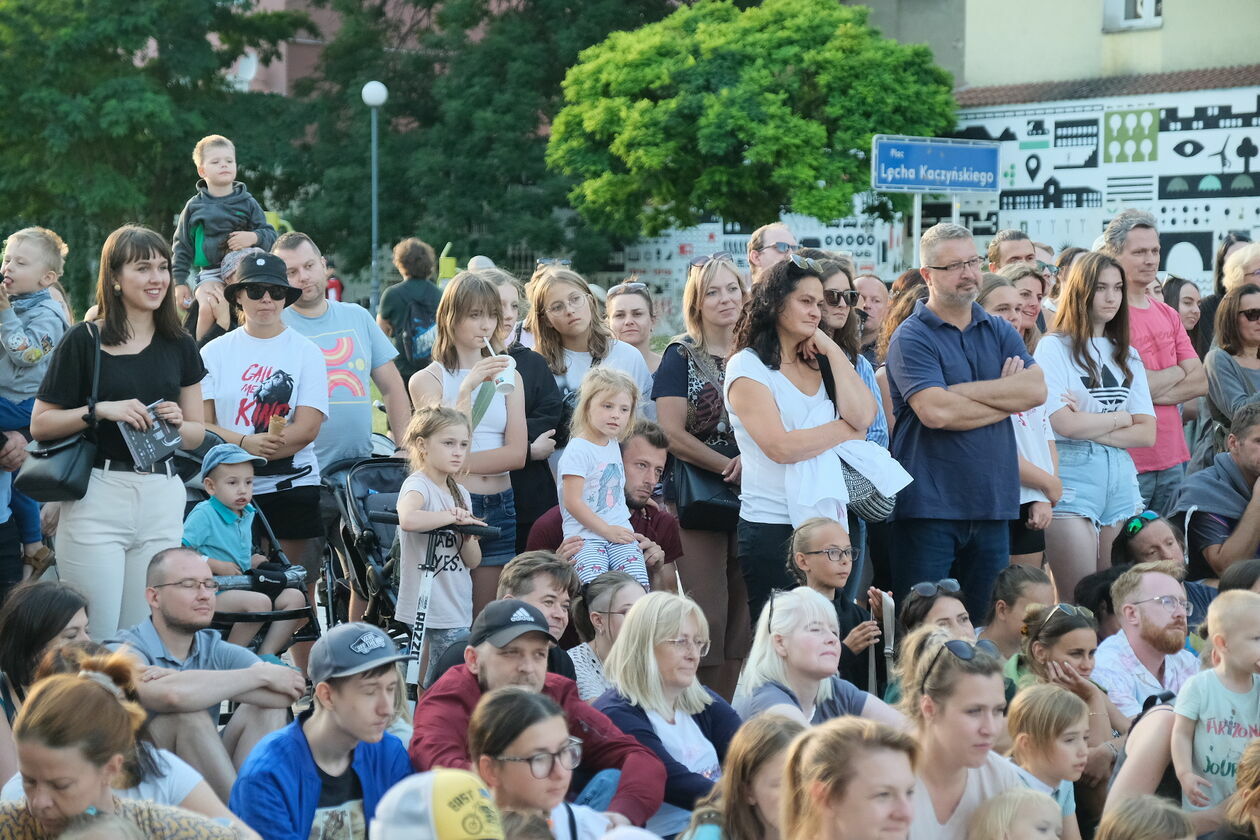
[490, 432]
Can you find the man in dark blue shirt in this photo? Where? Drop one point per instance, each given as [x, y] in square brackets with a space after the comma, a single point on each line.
[956, 375]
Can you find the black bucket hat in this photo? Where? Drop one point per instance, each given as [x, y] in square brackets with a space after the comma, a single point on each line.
[262, 270]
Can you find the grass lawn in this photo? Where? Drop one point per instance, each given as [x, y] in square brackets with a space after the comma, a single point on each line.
[380, 423]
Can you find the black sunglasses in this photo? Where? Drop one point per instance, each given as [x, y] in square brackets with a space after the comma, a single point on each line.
[965, 651]
[257, 291]
[833, 297]
[628, 286]
[807, 264]
[927, 589]
[719, 255]
[1251, 315]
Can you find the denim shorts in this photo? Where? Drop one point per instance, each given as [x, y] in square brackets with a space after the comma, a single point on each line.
[499, 511]
[1099, 482]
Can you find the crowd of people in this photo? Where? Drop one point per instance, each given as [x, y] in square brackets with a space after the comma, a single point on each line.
[971, 554]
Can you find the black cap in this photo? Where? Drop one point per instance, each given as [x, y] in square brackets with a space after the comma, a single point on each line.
[503, 621]
[263, 270]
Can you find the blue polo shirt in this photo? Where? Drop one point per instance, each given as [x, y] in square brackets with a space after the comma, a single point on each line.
[215, 530]
[957, 475]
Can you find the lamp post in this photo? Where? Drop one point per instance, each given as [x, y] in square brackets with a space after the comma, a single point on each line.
[374, 95]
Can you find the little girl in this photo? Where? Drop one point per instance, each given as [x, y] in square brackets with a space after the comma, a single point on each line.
[1048, 726]
[1016, 813]
[593, 478]
[437, 442]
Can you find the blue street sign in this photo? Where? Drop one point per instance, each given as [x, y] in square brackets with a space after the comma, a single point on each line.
[933, 165]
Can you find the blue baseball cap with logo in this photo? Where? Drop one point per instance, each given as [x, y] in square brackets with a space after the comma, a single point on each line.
[350, 649]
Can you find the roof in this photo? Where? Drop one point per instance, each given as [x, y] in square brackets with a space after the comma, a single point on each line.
[1142, 83]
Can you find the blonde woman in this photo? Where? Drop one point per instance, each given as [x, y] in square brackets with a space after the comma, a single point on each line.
[657, 700]
[1031, 286]
[849, 779]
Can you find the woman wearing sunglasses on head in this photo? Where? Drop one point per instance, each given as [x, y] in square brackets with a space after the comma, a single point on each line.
[1232, 366]
[955, 697]
[631, 318]
[692, 410]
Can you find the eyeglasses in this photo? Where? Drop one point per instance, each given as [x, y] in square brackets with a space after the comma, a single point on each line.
[1170, 603]
[835, 555]
[621, 612]
[561, 306]
[781, 247]
[953, 267]
[965, 651]
[1137, 523]
[1251, 315]
[257, 291]
[927, 589]
[699, 262]
[553, 261]
[542, 763]
[209, 584]
[682, 645]
[833, 297]
[805, 263]
[1066, 609]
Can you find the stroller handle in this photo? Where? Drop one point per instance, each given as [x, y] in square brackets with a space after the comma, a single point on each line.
[389, 517]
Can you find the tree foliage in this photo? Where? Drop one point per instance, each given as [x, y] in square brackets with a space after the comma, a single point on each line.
[741, 113]
[104, 100]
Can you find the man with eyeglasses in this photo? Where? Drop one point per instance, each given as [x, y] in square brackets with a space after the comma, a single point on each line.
[191, 670]
[1173, 370]
[769, 245]
[324, 773]
[1148, 656]
[508, 645]
[956, 375]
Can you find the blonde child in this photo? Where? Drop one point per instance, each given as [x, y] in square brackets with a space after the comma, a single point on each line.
[437, 441]
[1218, 710]
[593, 477]
[1017, 813]
[1145, 817]
[1048, 727]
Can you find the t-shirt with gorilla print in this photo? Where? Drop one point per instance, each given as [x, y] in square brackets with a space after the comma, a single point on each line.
[1064, 376]
[254, 379]
[605, 489]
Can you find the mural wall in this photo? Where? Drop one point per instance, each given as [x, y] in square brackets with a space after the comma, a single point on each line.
[1069, 166]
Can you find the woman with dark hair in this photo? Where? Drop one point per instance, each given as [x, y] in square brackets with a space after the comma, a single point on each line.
[1230, 243]
[149, 368]
[841, 322]
[1099, 406]
[774, 382]
[1184, 296]
[1233, 365]
[36, 618]
[1061, 263]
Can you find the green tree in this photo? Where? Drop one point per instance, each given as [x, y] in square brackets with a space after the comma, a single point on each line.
[104, 100]
[738, 113]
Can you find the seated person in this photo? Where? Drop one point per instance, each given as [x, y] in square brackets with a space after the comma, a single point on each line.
[1148, 656]
[333, 764]
[1147, 538]
[222, 529]
[508, 646]
[436, 806]
[657, 699]
[544, 581]
[192, 670]
[643, 454]
[1215, 505]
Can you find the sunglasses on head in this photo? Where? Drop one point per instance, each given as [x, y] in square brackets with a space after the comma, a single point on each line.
[965, 651]
[699, 262]
[257, 291]
[1251, 315]
[834, 297]
[553, 261]
[1137, 523]
[927, 589]
[1066, 609]
[808, 264]
[627, 286]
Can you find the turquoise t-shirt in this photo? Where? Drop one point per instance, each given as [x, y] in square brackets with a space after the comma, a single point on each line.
[213, 529]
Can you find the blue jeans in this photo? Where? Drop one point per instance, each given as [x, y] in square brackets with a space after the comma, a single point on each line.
[499, 511]
[974, 551]
[1160, 486]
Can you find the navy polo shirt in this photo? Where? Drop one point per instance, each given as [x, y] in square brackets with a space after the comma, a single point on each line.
[957, 475]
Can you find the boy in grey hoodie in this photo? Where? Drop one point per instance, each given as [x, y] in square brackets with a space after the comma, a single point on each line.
[221, 217]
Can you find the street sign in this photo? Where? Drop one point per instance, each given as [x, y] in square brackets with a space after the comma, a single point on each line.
[933, 165]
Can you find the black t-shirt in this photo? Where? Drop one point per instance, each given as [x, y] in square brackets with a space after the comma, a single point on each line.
[558, 662]
[157, 372]
[340, 810]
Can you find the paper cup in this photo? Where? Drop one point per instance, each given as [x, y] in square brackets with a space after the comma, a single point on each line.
[505, 382]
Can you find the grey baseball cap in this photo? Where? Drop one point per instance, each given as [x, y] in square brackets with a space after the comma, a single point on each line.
[350, 649]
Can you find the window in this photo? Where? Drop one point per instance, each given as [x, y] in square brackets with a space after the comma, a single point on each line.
[1126, 15]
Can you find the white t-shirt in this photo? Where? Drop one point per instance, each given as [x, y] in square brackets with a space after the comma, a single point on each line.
[492, 429]
[1064, 375]
[1225, 723]
[253, 379]
[605, 489]
[175, 780]
[684, 741]
[591, 824]
[450, 601]
[620, 356]
[1032, 431]
[983, 783]
[763, 491]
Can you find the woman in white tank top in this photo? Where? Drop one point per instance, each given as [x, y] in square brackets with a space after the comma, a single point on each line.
[469, 314]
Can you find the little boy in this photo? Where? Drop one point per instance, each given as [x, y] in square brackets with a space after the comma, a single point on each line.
[221, 217]
[32, 322]
[1218, 711]
[221, 528]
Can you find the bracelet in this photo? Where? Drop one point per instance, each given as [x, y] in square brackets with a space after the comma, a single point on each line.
[243, 441]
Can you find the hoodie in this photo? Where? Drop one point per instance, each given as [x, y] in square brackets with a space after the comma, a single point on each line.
[204, 225]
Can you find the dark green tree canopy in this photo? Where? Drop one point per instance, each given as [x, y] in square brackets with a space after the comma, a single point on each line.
[740, 113]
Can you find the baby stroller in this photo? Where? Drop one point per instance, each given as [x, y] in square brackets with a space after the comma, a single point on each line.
[270, 582]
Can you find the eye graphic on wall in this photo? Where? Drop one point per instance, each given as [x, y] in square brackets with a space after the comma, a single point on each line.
[1188, 148]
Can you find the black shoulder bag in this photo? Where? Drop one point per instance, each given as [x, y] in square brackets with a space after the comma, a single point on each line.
[706, 501]
[59, 470]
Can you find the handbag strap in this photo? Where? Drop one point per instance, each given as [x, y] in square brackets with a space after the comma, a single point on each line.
[96, 375]
[704, 366]
[887, 614]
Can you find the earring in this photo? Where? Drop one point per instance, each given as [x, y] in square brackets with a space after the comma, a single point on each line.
[117, 289]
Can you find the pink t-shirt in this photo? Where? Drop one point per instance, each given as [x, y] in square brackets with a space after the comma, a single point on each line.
[1160, 339]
